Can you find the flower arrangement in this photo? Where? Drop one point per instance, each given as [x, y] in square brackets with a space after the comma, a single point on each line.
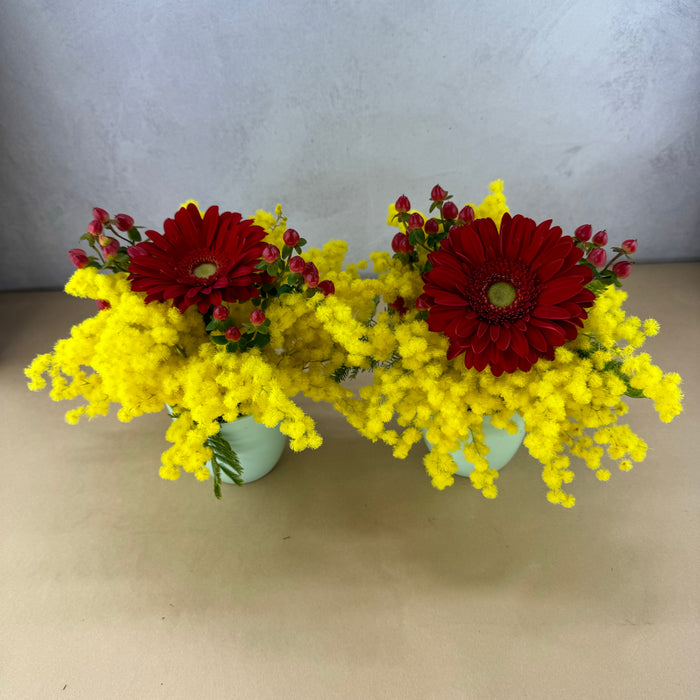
[490, 315]
[474, 315]
[217, 317]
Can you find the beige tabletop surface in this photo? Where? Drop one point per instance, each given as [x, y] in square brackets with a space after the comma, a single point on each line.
[343, 573]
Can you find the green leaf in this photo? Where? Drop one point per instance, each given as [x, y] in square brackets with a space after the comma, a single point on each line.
[134, 234]
[286, 251]
[294, 278]
[260, 340]
[212, 325]
[285, 289]
[262, 265]
[302, 242]
[232, 347]
[416, 236]
[224, 459]
[219, 339]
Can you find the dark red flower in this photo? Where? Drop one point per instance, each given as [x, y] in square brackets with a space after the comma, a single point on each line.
[507, 300]
[199, 260]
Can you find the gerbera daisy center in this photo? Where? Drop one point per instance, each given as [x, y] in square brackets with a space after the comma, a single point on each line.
[501, 294]
[204, 270]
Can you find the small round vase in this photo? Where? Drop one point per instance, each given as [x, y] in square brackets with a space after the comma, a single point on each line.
[258, 447]
[502, 445]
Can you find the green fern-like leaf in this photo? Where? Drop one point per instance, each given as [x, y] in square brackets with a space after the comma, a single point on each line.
[224, 459]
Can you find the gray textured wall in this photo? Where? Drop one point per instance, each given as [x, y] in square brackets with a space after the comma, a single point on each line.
[587, 109]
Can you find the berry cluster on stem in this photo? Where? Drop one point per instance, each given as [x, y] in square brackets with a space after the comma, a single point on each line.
[605, 272]
[281, 272]
[427, 235]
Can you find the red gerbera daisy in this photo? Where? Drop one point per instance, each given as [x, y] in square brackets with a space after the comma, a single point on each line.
[506, 300]
[199, 260]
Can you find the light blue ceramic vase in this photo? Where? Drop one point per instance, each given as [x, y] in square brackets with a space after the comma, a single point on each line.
[258, 447]
[503, 446]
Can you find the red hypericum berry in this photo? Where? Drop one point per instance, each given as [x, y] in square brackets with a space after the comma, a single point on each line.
[135, 251]
[95, 228]
[432, 226]
[220, 312]
[290, 237]
[100, 215]
[584, 232]
[597, 257]
[437, 194]
[400, 243]
[297, 264]
[629, 246]
[622, 269]
[78, 257]
[111, 247]
[103, 304]
[415, 221]
[466, 214]
[399, 305]
[423, 302]
[257, 317]
[601, 238]
[311, 275]
[124, 222]
[232, 333]
[449, 210]
[403, 204]
[396, 244]
[327, 287]
[270, 253]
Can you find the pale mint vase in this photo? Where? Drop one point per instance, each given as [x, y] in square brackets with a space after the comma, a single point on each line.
[258, 447]
[502, 445]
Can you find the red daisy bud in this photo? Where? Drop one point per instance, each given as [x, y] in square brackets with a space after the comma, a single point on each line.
[232, 333]
[601, 238]
[257, 317]
[311, 275]
[220, 312]
[629, 246]
[290, 237]
[124, 222]
[297, 264]
[400, 244]
[622, 269]
[78, 257]
[402, 204]
[95, 228]
[134, 251]
[584, 232]
[466, 214]
[270, 253]
[597, 257]
[449, 210]
[437, 194]
[432, 226]
[327, 287]
[415, 221]
[100, 215]
[423, 301]
[103, 304]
